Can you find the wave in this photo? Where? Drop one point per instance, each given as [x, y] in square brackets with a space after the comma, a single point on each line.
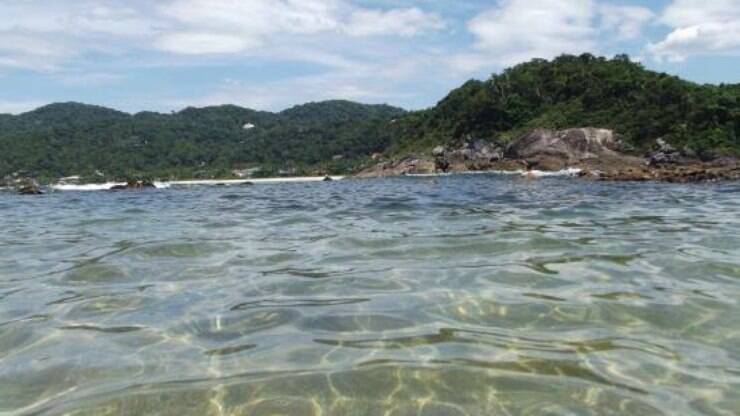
[531, 173]
[564, 172]
[99, 186]
[298, 179]
[210, 182]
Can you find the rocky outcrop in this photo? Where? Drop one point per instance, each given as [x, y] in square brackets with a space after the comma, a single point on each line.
[28, 187]
[554, 150]
[673, 173]
[30, 190]
[135, 184]
[664, 154]
[599, 153]
[407, 166]
[473, 155]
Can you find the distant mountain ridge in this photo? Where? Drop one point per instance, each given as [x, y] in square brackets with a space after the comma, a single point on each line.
[338, 136]
[72, 138]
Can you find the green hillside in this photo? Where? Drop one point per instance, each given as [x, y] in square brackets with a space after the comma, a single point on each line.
[577, 91]
[70, 138]
[339, 136]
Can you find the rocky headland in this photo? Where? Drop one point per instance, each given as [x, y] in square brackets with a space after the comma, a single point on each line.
[599, 154]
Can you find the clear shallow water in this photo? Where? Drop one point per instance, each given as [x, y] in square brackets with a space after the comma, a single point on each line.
[463, 295]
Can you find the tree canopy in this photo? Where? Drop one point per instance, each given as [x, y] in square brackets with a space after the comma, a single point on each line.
[70, 138]
[580, 91]
[339, 136]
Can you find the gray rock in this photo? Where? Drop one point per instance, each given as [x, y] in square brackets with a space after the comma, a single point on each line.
[662, 158]
[475, 154]
[477, 150]
[30, 190]
[570, 145]
[689, 152]
[28, 186]
[664, 154]
[664, 147]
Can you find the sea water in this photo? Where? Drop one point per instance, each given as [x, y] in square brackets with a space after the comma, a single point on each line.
[455, 295]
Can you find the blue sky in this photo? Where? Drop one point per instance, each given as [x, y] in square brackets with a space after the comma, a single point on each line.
[164, 55]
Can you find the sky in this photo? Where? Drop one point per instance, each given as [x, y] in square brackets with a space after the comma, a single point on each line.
[164, 55]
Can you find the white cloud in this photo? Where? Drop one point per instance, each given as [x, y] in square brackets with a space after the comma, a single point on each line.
[699, 27]
[405, 22]
[626, 21]
[44, 34]
[277, 95]
[394, 77]
[198, 43]
[245, 25]
[233, 26]
[518, 30]
[39, 53]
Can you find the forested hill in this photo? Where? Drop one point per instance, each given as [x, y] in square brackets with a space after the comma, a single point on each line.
[579, 91]
[339, 136]
[71, 139]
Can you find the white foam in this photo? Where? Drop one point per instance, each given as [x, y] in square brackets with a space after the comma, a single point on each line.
[472, 172]
[210, 182]
[86, 187]
[564, 172]
[99, 186]
[255, 181]
[531, 173]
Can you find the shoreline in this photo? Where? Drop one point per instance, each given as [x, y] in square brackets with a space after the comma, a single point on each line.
[196, 182]
[690, 173]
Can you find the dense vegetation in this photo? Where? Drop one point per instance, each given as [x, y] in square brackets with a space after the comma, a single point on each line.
[580, 91]
[337, 136]
[67, 139]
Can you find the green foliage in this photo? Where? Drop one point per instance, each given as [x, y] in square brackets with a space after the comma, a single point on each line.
[579, 91]
[570, 91]
[75, 139]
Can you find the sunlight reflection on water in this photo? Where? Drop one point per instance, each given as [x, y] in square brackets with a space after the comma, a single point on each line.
[458, 295]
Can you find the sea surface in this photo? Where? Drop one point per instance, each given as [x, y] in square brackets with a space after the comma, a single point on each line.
[457, 295]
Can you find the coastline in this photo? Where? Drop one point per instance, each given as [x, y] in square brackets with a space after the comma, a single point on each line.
[206, 182]
[587, 152]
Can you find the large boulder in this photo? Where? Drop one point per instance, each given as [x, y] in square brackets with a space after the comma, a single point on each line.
[473, 155]
[476, 150]
[559, 149]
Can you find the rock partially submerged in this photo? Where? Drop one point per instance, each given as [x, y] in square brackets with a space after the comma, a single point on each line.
[135, 184]
[28, 186]
[673, 173]
[32, 189]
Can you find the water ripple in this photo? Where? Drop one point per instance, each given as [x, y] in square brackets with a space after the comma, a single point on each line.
[458, 295]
